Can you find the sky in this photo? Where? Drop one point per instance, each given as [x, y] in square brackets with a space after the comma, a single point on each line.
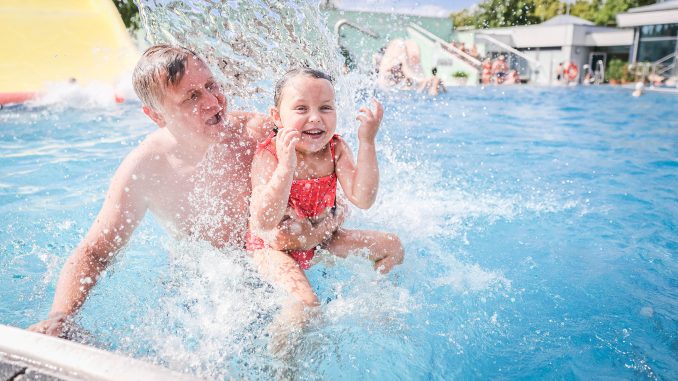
[422, 7]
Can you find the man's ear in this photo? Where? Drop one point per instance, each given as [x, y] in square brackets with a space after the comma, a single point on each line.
[155, 116]
[275, 115]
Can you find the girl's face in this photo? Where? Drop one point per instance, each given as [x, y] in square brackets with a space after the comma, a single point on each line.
[307, 105]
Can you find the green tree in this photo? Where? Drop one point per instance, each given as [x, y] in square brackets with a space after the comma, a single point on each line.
[608, 9]
[546, 9]
[501, 13]
[129, 13]
[463, 18]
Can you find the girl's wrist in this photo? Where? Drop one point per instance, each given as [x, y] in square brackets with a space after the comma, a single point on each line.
[366, 143]
[284, 171]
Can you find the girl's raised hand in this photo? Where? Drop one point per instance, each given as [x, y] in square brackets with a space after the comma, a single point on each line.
[369, 122]
[285, 147]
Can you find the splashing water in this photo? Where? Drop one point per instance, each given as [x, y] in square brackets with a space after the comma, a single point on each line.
[252, 43]
[539, 236]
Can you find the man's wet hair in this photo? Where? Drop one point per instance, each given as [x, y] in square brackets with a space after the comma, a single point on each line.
[304, 71]
[159, 68]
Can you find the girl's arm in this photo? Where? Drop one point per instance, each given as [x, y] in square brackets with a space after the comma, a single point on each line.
[272, 180]
[360, 180]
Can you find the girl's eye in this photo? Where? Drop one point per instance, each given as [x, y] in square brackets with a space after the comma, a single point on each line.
[194, 96]
[300, 108]
[324, 108]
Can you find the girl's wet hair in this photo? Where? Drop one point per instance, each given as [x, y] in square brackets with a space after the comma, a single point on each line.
[307, 72]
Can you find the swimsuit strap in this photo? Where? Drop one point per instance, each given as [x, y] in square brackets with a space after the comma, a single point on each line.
[333, 143]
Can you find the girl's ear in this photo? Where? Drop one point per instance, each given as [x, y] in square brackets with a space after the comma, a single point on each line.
[275, 115]
[155, 116]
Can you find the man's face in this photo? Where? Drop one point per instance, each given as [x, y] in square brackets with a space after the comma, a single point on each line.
[196, 106]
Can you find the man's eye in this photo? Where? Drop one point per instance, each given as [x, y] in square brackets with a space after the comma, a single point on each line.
[194, 96]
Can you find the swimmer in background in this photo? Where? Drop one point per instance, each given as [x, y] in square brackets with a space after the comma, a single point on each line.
[294, 179]
[433, 84]
[400, 66]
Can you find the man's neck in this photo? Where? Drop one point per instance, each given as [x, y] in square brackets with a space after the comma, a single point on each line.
[189, 152]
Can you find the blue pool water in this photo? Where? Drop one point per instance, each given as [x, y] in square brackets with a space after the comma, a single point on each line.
[540, 228]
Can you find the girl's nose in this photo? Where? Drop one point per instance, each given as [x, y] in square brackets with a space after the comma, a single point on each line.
[314, 117]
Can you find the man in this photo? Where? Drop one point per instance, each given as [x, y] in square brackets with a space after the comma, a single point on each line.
[192, 173]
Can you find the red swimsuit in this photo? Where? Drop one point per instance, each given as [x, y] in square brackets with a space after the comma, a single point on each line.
[308, 198]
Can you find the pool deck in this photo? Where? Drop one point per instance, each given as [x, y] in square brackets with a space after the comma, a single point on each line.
[15, 370]
[32, 356]
[653, 89]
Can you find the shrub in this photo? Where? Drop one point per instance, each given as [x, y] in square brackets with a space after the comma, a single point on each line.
[615, 69]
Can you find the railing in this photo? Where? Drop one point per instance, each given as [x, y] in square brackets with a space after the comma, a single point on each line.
[661, 67]
[509, 49]
[343, 22]
[448, 46]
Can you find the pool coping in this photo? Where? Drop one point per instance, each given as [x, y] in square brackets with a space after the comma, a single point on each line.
[75, 361]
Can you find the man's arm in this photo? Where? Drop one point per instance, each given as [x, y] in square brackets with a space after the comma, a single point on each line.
[258, 126]
[123, 209]
[301, 234]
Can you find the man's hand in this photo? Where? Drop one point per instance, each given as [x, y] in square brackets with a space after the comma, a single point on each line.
[301, 234]
[55, 325]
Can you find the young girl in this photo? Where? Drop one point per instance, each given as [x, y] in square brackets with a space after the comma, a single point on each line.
[294, 178]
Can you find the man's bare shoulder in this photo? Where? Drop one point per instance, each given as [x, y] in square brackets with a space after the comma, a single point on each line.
[148, 158]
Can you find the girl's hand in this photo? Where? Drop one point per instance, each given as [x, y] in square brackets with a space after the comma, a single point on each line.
[285, 148]
[369, 122]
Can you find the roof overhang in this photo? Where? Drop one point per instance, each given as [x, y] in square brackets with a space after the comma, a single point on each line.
[617, 37]
[632, 19]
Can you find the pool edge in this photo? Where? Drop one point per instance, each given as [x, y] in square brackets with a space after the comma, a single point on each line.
[77, 360]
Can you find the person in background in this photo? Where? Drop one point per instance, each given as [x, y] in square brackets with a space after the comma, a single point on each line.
[500, 69]
[486, 73]
[400, 66]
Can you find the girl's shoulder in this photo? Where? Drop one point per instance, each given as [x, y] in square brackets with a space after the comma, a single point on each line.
[338, 145]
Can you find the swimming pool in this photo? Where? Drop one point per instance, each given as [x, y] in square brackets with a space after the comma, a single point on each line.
[539, 226]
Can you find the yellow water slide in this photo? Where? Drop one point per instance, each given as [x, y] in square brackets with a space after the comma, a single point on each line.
[44, 41]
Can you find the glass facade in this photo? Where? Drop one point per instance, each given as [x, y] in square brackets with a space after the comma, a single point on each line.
[656, 42]
[661, 30]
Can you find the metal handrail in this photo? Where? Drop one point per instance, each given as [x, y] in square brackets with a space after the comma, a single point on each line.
[666, 69]
[446, 45]
[508, 48]
[340, 23]
[668, 57]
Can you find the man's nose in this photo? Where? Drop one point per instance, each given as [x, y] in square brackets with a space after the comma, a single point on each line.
[212, 100]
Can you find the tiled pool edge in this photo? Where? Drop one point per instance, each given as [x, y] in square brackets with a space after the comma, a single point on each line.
[77, 361]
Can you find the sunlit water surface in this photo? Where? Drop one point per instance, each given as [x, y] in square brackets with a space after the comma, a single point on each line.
[539, 227]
